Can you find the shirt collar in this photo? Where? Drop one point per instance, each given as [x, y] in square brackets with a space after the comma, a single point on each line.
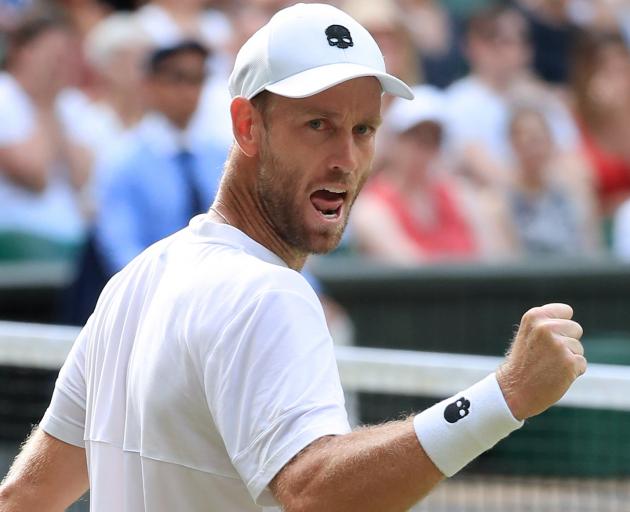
[162, 136]
[202, 225]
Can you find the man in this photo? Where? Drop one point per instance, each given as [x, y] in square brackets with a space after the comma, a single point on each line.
[206, 380]
[156, 164]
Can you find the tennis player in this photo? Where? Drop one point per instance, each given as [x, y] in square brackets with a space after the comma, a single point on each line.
[206, 379]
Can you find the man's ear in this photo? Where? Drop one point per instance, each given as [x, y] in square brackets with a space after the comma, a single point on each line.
[247, 126]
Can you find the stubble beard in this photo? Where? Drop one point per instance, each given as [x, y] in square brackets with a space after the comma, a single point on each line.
[276, 194]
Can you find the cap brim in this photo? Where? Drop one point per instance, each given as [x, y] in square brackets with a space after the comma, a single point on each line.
[315, 80]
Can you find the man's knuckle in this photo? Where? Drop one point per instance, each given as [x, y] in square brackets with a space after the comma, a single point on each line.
[541, 329]
[531, 315]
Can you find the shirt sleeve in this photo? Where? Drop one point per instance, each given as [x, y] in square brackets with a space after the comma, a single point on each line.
[16, 116]
[273, 386]
[65, 416]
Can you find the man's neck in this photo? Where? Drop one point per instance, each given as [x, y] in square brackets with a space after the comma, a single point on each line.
[237, 205]
[497, 83]
[128, 109]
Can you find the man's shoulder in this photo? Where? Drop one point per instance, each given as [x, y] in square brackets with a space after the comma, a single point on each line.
[226, 260]
[257, 276]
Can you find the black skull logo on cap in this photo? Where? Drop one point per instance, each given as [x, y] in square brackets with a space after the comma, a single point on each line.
[339, 36]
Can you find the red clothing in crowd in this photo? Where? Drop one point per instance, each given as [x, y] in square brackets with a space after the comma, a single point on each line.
[450, 236]
[612, 172]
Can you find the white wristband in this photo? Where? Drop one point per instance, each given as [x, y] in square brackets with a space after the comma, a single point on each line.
[459, 429]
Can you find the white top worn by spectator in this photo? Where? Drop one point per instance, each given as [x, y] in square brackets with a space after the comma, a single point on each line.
[621, 232]
[478, 115]
[211, 338]
[52, 213]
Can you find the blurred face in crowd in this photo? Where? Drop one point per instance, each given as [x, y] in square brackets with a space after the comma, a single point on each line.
[395, 44]
[315, 155]
[501, 50]
[46, 62]
[175, 86]
[531, 140]
[124, 68]
[417, 149]
[609, 86]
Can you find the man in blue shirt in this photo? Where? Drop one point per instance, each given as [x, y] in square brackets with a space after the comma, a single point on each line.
[156, 180]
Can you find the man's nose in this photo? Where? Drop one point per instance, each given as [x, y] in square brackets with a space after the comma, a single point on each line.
[345, 153]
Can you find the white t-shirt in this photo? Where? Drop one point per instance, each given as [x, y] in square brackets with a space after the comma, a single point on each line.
[206, 366]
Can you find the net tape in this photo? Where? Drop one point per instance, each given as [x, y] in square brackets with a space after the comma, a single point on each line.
[375, 370]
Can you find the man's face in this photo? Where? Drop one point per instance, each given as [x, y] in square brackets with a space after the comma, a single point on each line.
[417, 149]
[504, 53]
[315, 156]
[175, 88]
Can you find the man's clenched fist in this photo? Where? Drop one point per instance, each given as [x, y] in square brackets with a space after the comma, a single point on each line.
[545, 358]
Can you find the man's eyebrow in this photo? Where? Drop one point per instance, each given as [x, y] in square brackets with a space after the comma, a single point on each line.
[319, 112]
[331, 114]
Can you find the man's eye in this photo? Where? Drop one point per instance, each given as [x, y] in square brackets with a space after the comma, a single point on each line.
[316, 124]
[363, 129]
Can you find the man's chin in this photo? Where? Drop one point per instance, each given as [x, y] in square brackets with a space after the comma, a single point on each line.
[325, 243]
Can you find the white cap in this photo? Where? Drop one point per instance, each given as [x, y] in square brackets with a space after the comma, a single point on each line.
[306, 49]
[429, 104]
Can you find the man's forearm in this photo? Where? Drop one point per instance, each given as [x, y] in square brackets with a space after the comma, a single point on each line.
[48, 476]
[380, 469]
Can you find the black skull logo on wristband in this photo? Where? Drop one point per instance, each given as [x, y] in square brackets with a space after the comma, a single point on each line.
[459, 409]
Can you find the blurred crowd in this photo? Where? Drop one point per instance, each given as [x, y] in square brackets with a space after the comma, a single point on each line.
[114, 127]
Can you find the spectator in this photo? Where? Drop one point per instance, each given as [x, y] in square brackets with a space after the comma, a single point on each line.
[41, 168]
[550, 214]
[601, 84]
[553, 36]
[479, 104]
[436, 33]
[116, 49]
[411, 211]
[158, 179]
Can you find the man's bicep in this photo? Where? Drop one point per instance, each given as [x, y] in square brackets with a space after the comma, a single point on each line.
[295, 473]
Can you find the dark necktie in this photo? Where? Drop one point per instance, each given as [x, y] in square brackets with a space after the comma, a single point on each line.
[186, 162]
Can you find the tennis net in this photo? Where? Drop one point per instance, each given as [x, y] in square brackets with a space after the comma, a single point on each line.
[574, 457]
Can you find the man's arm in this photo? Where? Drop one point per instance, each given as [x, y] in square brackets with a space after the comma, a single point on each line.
[381, 468]
[385, 468]
[28, 161]
[48, 476]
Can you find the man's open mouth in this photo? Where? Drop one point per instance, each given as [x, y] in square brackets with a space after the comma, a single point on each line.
[329, 201]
